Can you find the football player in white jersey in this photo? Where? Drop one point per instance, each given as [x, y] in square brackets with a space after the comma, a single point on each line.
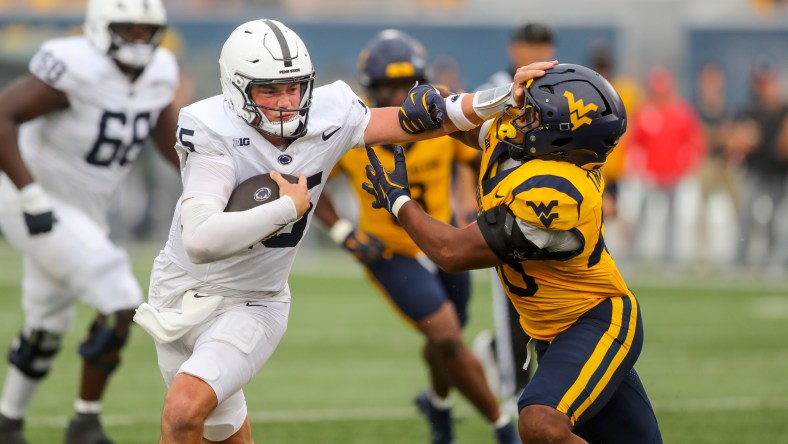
[219, 300]
[69, 133]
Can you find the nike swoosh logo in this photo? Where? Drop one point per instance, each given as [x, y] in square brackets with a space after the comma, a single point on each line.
[252, 304]
[327, 136]
[201, 295]
[499, 196]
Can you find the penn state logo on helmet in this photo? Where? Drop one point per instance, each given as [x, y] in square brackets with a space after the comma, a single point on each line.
[571, 113]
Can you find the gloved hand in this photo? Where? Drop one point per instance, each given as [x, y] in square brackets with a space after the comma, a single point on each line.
[423, 110]
[390, 189]
[37, 209]
[367, 248]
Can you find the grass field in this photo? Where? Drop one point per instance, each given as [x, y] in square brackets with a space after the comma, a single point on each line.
[715, 363]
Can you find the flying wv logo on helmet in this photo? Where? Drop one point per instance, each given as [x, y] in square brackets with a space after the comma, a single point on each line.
[578, 110]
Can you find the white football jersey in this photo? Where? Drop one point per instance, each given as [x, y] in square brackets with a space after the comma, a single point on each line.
[337, 121]
[81, 154]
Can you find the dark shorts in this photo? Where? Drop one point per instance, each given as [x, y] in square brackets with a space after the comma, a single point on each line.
[587, 373]
[416, 292]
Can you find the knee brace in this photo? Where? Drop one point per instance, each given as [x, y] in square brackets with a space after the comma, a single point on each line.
[34, 352]
[108, 334]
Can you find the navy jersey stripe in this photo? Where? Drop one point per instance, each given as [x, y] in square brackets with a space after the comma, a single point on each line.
[557, 183]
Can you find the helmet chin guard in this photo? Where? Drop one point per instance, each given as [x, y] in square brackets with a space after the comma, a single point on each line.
[266, 52]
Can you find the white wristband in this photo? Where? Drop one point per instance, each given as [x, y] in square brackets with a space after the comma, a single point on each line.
[33, 199]
[340, 230]
[454, 111]
[398, 204]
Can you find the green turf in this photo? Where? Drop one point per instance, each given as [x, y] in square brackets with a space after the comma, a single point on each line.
[715, 363]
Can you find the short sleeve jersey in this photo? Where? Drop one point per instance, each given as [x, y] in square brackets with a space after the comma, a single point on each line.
[550, 295]
[81, 154]
[210, 129]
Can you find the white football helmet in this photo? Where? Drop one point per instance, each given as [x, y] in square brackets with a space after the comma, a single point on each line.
[101, 14]
[266, 52]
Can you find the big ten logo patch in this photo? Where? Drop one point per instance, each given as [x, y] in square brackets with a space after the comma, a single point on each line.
[241, 141]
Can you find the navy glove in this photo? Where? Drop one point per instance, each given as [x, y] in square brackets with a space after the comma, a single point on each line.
[422, 110]
[390, 190]
[39, 223]
[367, 248]
[36, 209]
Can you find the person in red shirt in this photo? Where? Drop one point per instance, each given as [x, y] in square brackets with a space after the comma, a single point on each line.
[667, 148]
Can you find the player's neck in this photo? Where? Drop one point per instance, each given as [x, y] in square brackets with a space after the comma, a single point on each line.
[279, 142]
[131, 72]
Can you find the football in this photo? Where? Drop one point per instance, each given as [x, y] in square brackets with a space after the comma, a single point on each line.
[255, 191]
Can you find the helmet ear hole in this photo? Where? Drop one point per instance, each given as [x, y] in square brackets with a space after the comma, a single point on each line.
[549, 114]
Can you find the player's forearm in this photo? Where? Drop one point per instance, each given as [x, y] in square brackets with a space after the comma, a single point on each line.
[164, 135]
[11, 162]
[452, 249]
[210, 235]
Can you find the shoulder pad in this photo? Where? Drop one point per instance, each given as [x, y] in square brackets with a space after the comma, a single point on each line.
[194, 137]
[547, 201]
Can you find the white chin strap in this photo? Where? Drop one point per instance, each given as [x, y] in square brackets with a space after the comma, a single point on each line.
[280, 129]
[136, 55]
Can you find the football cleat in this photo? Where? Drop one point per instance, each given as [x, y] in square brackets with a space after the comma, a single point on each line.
[11, 431]
[86, 429]
[439, 420]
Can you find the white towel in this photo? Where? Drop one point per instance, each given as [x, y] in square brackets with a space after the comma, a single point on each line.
[167, 326]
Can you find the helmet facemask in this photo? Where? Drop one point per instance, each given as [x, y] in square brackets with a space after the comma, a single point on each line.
[570, 114]
[135, 53]
[292, 128]
[267, 53]
[127, 30]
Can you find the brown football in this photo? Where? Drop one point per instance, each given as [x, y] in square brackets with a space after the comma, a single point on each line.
[255, 191]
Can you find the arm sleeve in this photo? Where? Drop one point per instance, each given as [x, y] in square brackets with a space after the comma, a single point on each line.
[210, 234]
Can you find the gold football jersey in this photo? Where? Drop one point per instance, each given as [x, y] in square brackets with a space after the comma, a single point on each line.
[550, 295]
[429, 164]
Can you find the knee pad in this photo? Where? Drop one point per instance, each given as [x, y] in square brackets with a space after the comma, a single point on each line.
[33, 353]
[108, 334]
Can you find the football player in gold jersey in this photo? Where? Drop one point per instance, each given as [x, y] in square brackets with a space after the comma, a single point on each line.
[428, 299]
[540, 225]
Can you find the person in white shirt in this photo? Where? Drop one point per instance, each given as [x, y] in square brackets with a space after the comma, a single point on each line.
[69, 133]
[219, 300]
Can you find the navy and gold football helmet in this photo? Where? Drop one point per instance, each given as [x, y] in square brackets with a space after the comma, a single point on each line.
[571, 113]
[392, 57]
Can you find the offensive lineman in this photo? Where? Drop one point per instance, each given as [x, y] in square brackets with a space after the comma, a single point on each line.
[69, 133]
[219, 300]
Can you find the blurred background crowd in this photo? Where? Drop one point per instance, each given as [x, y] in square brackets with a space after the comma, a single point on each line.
[701, 175]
